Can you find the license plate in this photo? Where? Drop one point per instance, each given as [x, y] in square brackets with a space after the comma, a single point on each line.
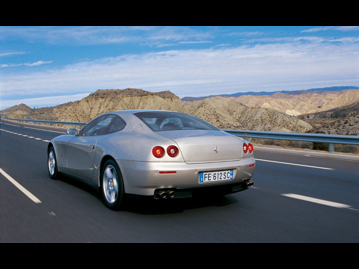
[215, 176]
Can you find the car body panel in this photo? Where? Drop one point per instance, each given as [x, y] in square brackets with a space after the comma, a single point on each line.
[80, 154]
[201, 146]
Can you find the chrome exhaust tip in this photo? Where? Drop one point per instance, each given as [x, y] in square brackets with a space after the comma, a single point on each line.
[164, 194]
[171, 194]
[249, 184]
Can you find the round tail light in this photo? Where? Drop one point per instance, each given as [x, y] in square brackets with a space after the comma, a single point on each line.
[245, 148]
[172, 151]
[158, 151]
[250, 148]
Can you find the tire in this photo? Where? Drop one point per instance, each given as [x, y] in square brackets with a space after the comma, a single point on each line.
[52, 163]
[112, 189]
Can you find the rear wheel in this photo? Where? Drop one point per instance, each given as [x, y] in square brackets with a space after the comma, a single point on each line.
[52, 163]
[112, 189]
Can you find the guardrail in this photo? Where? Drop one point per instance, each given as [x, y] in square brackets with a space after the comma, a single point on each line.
[306, 137]
[50, 122]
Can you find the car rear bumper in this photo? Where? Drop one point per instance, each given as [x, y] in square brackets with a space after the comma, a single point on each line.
[149, 178]
[214, 190]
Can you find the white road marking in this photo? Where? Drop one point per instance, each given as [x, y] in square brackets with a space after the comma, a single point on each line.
[315, 200]
[295, 164]
[58, 132]
[21, 188]
[11, 124]
[36, 138]
[35, 128]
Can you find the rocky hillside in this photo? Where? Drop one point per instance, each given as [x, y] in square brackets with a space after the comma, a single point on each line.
[17, 111]
[342, 120]
[301, 102]
[331, 112]
[103, 101]
[223, 113]
[22, 111]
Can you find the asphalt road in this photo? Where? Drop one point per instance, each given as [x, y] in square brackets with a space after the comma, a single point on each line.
[295, 198]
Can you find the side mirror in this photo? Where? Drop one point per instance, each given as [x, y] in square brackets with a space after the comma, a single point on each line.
[72, 131]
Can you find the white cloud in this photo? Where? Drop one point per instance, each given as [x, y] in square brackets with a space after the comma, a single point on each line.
[38, 63]
[195, 42]
[26, 64]
[11, 53]
[327, 28]
[247, 33]
[103, 34]
[268, 67]
[317, 29]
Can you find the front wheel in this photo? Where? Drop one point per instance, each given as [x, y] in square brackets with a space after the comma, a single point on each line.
[112, 189]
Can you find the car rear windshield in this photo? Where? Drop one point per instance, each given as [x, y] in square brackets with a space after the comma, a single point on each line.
[171, 121]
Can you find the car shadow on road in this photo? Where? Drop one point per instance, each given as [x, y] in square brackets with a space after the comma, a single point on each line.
[148, 206]
[81, 184]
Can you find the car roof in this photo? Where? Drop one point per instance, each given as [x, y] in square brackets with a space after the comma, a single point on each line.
[128, 113]
[136, 110]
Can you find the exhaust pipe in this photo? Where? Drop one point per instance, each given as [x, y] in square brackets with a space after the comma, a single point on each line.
[171, 194]
[164, 194]
[249, 184]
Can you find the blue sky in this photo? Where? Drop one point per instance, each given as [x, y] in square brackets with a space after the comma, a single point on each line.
[47, 66]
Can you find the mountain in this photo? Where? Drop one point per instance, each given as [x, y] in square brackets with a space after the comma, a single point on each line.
[303, 102]
[17, 110]
[342, 121]
[221, 112]
[22, 111]
[335, 88]
[331, 112]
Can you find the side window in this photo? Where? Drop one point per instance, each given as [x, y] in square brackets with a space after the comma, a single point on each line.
[85, 131]
[103, 125]
[117, 124]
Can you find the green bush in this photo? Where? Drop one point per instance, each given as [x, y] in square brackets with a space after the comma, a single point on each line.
[347, 148]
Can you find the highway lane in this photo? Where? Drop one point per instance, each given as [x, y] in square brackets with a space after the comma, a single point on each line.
[72, 211]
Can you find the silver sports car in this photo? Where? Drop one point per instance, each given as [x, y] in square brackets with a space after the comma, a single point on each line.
[154, 153]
